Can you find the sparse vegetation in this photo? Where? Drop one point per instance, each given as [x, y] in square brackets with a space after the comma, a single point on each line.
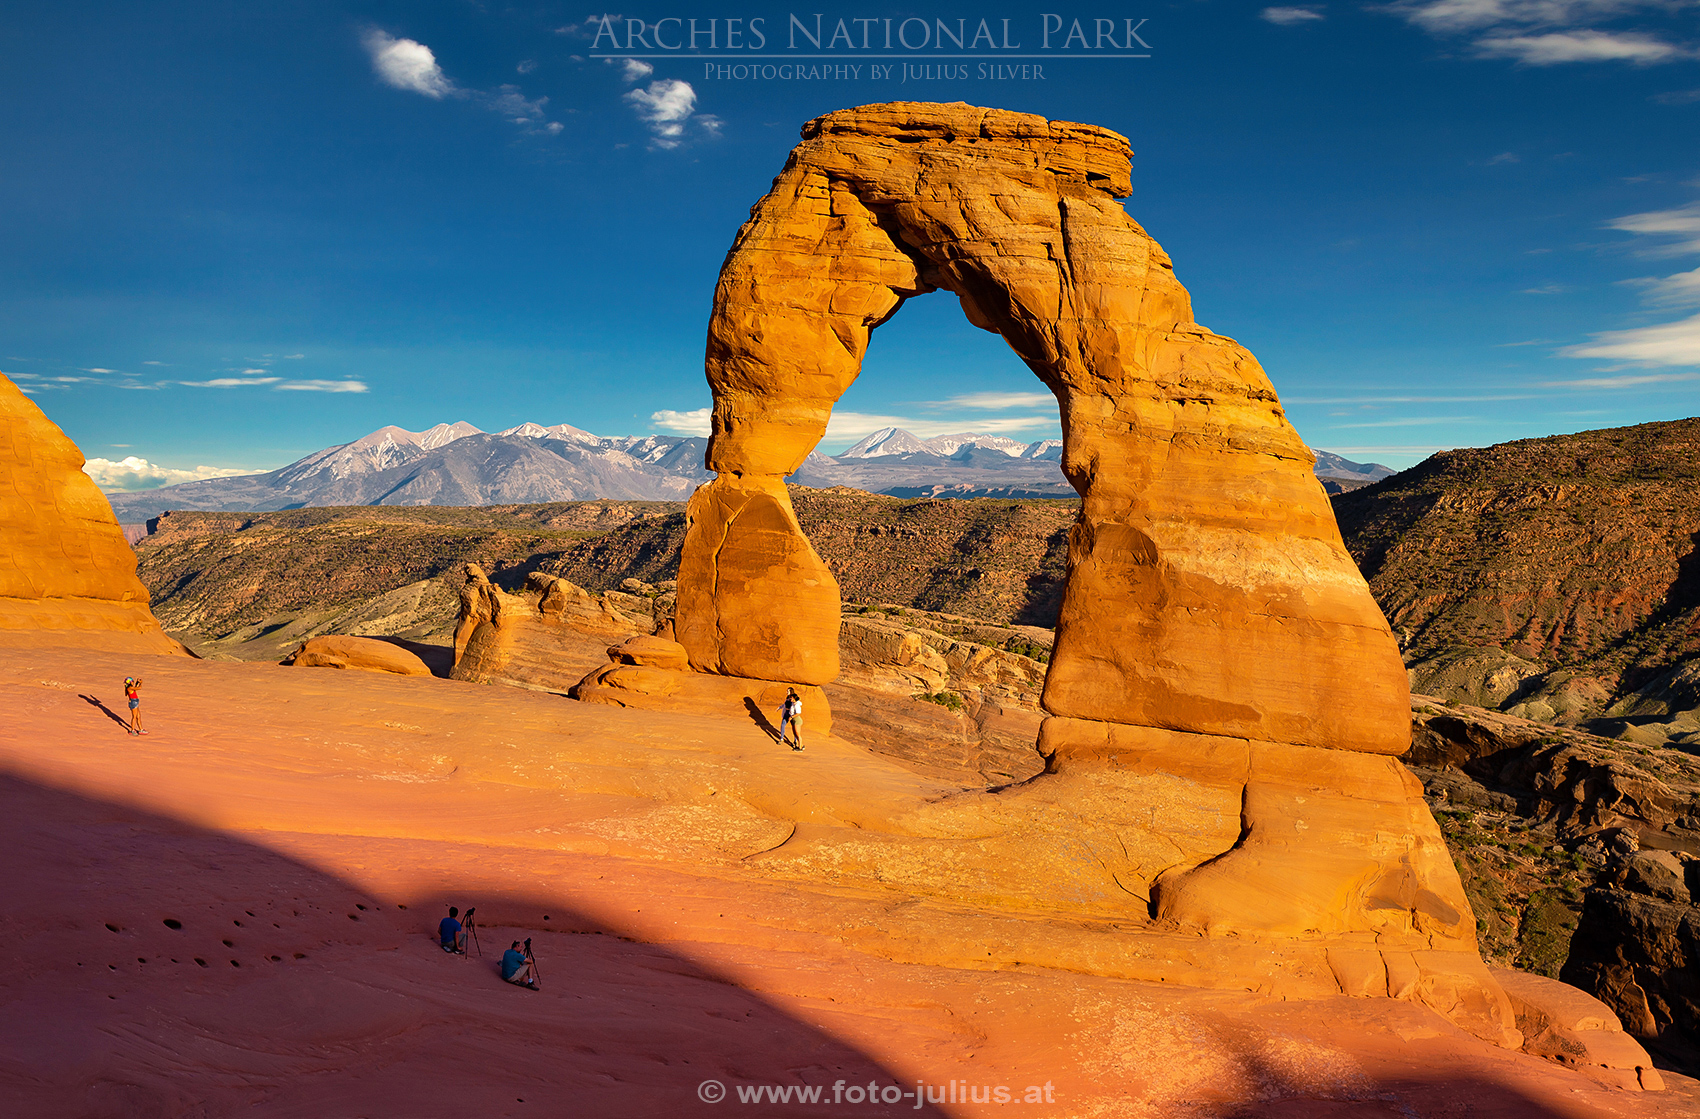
[943, 699]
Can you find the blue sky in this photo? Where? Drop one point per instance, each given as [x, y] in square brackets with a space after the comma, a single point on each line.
[234, 234]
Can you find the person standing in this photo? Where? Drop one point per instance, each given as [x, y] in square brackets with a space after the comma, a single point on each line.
[133, 695]
[791, 715]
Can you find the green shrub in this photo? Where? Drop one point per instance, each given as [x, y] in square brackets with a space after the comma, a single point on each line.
[943, 699]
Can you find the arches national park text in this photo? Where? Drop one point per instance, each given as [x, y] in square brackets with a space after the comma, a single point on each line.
[815, 36]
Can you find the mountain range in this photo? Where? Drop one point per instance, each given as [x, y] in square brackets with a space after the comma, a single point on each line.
[457, 464]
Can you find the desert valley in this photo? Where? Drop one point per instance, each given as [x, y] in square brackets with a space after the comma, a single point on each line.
[1162, 771]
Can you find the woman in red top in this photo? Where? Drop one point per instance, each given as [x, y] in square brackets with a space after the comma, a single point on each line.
[133, 693]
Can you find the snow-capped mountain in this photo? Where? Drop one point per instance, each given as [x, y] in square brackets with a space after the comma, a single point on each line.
[530, 430]
[456, 464]
[896, 441]
[886, 441]
[948, 445]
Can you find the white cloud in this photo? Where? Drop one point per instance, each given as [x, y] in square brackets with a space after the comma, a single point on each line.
[1286, 17]
[666, 106]
[1557, 47]
[634, 69]
[1680, 290]
[322, 386]
[997, 401]
[153, 363]
[406, 64]
[1672, 343]
[255, 372]
[1623, 382]
[1678, 97]
[1412, 421]
[230, 382]
[694, 422]
[103, 371]
[1545, 289]
[292, 357]
[1475, 15]
[1682, 224]
[526, 66]
[1504, 157]
[512, 104]
[1547, 32]
[132, 473]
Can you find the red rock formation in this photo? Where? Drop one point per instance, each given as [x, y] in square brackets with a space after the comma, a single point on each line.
[1208, 588]
[65, 567]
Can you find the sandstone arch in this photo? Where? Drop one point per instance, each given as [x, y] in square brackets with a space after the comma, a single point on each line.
[1209, 591]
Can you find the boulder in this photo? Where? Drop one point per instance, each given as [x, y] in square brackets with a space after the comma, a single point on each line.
[66, 572]
[544, 638]
[369, 653]
[1563, 1024]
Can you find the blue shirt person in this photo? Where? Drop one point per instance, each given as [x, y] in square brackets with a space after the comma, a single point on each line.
[516, 968]
[449, 932]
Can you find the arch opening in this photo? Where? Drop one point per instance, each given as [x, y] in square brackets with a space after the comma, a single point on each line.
[1208, 589]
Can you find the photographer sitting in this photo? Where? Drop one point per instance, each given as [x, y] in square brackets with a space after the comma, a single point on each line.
[518, 967]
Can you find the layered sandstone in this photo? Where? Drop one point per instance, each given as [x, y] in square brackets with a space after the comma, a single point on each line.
[545, 638]
[65, 567]
[1208, 589]
[1221, 684]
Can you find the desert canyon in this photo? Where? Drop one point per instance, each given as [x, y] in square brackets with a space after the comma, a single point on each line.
[1198, 881]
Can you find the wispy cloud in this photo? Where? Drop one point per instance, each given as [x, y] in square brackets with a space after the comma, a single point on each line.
[231, 382]
[1410, 421]
[633, 69]
[407, 64]
[411, 65]
[1286, 17]
[1680, 290]
[322, 386]
[1678, 97]
[1405, 399]
[695, 422]
[1672, 343]
[1547, 32]
[1504, 157]
[1623, 382]
[98, 370]
[1681, 226]
[1557, 47]
[127, 475]
[998, 401]
[1545, 289]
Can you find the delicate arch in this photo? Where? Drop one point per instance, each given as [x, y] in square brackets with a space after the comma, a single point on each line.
[1208, 588]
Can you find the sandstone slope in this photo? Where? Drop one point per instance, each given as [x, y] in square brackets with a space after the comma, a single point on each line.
[304, 829]
[1555, 578]
[65, 568]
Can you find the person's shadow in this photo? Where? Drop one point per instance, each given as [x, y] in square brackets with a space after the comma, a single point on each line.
[759, 717]
[110, 713]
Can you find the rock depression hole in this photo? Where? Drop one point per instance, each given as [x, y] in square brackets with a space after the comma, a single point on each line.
[173, 923]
